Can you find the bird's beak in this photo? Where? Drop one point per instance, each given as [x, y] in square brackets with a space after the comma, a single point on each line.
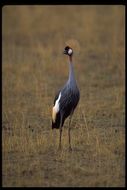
[64, 52]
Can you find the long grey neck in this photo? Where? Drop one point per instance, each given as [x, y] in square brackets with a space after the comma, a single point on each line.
[71, 78]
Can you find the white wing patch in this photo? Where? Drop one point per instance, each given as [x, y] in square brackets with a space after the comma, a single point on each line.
[55, 109]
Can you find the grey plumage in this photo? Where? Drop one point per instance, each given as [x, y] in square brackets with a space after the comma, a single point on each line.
[68, 96]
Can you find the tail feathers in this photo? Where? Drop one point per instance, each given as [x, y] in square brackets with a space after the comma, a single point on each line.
[55, 125]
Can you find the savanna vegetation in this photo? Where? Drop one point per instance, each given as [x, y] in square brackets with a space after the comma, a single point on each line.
[34, 68]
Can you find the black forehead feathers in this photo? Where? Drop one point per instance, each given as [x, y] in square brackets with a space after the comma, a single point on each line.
[67, 48]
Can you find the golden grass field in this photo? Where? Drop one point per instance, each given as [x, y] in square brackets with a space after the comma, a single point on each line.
[34, 68]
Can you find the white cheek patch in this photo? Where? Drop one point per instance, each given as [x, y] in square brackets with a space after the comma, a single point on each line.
[55, 109]
[70, 51]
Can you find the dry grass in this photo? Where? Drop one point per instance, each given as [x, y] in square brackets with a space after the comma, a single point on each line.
[33, 69]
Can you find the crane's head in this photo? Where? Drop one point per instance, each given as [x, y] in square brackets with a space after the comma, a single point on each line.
[68, 51]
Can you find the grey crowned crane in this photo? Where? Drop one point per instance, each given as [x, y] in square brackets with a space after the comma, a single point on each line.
[66, 100]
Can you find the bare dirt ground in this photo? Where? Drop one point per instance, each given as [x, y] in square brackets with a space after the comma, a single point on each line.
[34, 68]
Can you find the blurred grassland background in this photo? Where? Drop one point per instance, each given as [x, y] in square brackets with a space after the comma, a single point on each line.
[34, 68]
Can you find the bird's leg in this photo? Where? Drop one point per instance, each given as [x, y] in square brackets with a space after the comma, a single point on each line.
[60, 138]
[60, 134]
[69, 132]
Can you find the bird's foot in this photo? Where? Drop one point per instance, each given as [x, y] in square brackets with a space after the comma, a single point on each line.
[59, 148]
[70, 149]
